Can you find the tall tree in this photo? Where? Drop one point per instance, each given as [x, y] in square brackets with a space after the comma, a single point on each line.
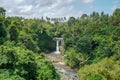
[3, 33]
[13, 31]
[2, 11]
[116, 17]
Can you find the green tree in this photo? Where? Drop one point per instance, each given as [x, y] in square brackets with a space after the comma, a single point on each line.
[2, 11]
[84, 45]
[13, 31]
[3, 33]
[84, 16]
[17, 62]
[71, 21]
[115, 17]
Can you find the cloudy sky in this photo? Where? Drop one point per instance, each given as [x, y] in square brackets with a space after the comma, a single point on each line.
[57, 8]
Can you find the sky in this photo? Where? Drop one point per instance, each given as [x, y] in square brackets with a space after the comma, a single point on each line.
[57, 8]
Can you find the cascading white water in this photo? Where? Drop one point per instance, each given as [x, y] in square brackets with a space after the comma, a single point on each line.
[57, 47]
[59, 42]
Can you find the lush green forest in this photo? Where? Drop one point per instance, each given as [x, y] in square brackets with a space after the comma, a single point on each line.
[91, 43]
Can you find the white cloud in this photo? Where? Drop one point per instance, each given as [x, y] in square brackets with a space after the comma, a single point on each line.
[19, 1]
[9, 11]
[113, 7]
[26, 8]
[38, 8]
[87, 1]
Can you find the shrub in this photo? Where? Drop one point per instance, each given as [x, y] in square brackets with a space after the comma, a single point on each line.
[107, 69]
[74, 59]
[71, 58]
[95, 76]
[46, 70]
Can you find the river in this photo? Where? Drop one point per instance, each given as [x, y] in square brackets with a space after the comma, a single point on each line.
[65, 71]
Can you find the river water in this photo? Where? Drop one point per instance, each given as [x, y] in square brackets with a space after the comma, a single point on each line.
[65, 71]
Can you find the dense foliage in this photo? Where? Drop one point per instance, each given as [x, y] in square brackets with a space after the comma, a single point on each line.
[22, 64]
[107, 69]
[91, 42]
[95, 37]
[20, 48]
